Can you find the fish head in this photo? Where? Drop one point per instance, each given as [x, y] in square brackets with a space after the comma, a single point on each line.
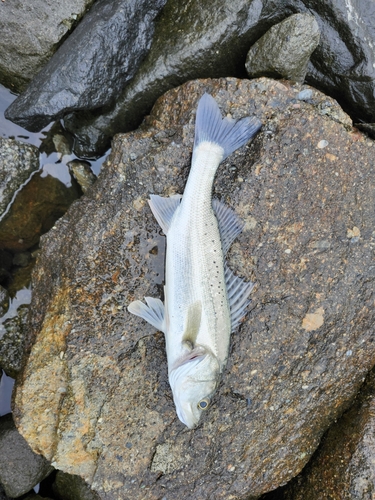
[193, 384]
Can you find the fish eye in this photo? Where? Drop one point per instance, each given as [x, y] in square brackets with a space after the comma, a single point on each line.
[203, 404]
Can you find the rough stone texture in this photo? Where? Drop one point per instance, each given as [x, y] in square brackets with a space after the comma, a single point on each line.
[82, 173]
[4, 301]
[17, 161]
[46, 199]
[94, 394]
[30, 34]
[20, 468]
[211, 39]
[12, 341]
[94, 64]
[69, 487]
[343, 468]
[284, 51]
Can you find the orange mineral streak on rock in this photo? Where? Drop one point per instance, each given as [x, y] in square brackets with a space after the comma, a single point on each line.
[39, 415]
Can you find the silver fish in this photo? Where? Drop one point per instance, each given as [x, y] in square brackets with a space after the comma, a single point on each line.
[204, 300]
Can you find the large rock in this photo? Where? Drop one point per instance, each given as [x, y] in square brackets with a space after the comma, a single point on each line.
[284, 51]
[30, 34]
[343, 466]
[94, 395]
[210, 39]
[93, 66]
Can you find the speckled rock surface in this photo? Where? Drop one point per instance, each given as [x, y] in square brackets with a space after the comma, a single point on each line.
[94, 396]
[284, 51]
[12, 341]
[30, 34]
[343, 468]
[17, 161]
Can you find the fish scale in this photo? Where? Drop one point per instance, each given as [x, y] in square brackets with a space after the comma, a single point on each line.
[204, 300]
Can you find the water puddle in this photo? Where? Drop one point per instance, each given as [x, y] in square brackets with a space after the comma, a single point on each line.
[6, 388]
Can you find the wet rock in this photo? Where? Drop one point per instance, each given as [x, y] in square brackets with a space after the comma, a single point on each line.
[4, 301]
[69, 487]
[82, 173]
[46, 199]
[94, 394]
[20, 278]
[369, 128]
[94, 75]
[343, 466]
[23, 52]
[20, 468]
[284, 51]
[22, 259]
[17, 162]
[210, 39]
[12, 341]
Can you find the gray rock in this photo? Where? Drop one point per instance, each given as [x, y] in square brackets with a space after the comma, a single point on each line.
[4, 301]
[31, 33]
[284, 51]
[12, 340]
[20, 468]
[82, 173]
[94, 394]
[343, 466]
[17, 161]
[69, 487]
[210, 39]
[94, 64]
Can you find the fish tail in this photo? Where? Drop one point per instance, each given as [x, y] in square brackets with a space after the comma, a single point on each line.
[225, 132]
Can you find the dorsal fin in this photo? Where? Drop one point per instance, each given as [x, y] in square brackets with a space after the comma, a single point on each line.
[230, 225]
[238, 291]
[164, 209]
[193, 322]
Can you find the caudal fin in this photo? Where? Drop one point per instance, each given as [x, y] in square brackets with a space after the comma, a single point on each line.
[228, 133]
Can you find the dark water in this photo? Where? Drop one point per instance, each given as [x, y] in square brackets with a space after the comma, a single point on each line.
[6, 387]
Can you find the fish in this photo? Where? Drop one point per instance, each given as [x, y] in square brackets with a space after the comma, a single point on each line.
[204, 301]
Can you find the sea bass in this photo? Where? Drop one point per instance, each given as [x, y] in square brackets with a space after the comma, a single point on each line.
[204, 300]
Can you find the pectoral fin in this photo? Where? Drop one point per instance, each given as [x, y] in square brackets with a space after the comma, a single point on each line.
[193, 322]
[153, 312]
